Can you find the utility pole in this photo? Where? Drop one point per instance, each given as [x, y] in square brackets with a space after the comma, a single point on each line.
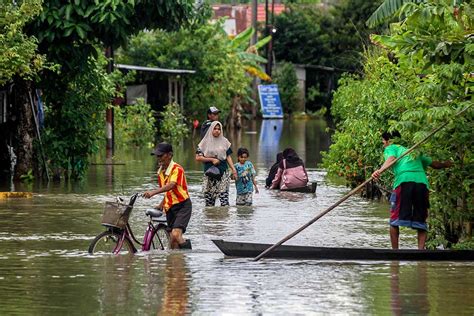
[269, 29]
[254, 21]
[253, 41]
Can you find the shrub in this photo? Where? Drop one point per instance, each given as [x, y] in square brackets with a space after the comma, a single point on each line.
[172, 127]
[135, 124]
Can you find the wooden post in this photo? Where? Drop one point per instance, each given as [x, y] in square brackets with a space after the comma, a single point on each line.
[170, 91]
[109, 112]
[181, 94]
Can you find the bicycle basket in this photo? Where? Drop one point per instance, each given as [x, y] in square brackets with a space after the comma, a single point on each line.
[116, 214]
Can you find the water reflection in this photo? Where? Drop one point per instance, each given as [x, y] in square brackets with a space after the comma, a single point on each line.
[116, 281]
[44, 242]
[409, 290]
[216, 218]
[291, 196]
[176, 287]
[269, 141]
[245, 212]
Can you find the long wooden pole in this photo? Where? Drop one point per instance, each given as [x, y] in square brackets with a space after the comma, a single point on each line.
[345, 197]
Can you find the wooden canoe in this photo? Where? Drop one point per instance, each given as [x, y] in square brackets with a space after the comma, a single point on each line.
[311, 188]
[243, 249]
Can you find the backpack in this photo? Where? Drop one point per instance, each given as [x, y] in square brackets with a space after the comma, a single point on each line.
[295, 177]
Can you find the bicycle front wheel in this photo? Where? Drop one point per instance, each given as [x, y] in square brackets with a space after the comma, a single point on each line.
[108, 241]
[161, 238]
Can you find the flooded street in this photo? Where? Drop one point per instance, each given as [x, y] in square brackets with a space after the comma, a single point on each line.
[45, 267]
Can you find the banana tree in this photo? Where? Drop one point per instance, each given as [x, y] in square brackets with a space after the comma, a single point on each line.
[248, 54]
[251, 60]
[389, 8]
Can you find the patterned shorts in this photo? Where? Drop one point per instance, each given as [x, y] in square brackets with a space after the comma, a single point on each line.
[244, 199]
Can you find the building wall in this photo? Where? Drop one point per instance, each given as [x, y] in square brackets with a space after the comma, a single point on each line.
[240, 16]
[301, 75]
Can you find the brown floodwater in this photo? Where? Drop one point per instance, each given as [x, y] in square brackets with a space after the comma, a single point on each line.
[45, 268]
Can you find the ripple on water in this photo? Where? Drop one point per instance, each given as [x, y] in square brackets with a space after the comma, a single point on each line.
[44, 253]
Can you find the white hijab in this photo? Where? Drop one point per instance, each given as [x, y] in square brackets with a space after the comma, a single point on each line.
[215, 147]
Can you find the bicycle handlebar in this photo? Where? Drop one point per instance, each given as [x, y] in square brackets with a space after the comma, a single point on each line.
[133, 198]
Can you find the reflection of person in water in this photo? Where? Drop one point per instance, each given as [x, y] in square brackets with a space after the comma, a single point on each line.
[116, 283]
[176, 288]
[409, 289]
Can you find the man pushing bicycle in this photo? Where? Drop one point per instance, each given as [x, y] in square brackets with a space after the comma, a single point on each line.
[176, 203]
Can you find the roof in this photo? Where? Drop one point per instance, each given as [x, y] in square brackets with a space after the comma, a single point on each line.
[279, 8]
[155, 69]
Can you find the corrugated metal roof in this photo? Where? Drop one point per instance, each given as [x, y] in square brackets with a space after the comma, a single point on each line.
[155, 69]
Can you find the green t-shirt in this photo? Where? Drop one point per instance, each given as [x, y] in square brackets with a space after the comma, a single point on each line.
[408, 169]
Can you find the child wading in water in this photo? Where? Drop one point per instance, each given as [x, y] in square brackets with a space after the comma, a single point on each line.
[245, 178]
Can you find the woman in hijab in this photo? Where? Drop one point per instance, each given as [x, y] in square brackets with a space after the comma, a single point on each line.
[214, 152]
[273, 170]
[291, 172]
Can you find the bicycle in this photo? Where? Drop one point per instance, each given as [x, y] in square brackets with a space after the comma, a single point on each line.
[118, 236]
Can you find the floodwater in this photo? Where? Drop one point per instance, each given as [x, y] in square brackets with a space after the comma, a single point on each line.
[45, 268]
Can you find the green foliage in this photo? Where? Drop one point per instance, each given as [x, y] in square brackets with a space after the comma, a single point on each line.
[464, 245]
[428, 81]
[333, 36]
[172, 126]
[28, 177]
[220, 73]
[134, 124]
[386, 10]
[287, 82]
[18, 55]
[307, 32]
[73, 132]
[324, 35]
[110, 22]
[74, 35]
[362, 110]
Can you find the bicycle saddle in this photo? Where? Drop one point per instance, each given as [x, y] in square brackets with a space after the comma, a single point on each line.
[154, 212]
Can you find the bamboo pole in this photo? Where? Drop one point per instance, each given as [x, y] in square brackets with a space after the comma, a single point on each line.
[360, 186]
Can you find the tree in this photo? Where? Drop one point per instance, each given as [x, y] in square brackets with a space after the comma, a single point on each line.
[307, 31]
[74, 35]
[18, 55]
[387, 10]
[434, 42]
[19, 63]
[428, 80]
[332, 36]
[220, 66]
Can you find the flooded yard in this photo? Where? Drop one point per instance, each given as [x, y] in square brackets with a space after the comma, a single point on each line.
[45, 267]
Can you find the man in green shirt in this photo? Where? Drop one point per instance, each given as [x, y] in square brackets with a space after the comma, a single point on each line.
[409, 199]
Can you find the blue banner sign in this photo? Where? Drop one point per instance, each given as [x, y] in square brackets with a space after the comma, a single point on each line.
[270, 101]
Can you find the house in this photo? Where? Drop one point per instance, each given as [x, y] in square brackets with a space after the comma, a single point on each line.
[240, 16]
